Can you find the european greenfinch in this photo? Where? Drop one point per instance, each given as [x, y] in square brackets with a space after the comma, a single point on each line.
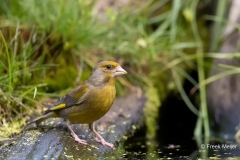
[89, 101]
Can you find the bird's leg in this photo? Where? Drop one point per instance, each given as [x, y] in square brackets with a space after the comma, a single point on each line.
[74, 135]
[99, 138]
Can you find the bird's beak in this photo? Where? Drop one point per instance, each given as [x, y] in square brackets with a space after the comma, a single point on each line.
[119, 71]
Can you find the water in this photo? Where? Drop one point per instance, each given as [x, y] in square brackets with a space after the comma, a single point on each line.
[137, 147]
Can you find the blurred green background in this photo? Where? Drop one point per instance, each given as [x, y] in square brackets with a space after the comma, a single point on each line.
[47, 47]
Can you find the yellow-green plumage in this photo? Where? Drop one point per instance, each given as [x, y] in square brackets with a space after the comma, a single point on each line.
[89, 101]
[97, 102]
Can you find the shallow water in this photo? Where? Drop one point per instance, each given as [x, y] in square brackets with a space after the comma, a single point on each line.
[179, 152]
[136, 147]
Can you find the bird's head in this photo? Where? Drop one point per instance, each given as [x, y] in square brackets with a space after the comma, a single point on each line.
[105, 72]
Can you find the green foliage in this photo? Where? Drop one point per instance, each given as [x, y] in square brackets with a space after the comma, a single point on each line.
[71, 20]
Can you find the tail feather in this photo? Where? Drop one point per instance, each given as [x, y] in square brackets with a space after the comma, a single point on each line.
[42, 118]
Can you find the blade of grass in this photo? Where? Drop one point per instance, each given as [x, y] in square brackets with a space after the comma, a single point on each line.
[158, 18]
[183, 93]
[215, 78]
[28, 91]
[158, 5]
[186, 58]
[218, 27]
[174, 19]
[186, 75]
[9, 64]
[223, 21]
[160, 30]
[200, 67]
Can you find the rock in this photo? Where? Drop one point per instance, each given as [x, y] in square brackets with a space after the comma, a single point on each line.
[224, 94]
[52, 140]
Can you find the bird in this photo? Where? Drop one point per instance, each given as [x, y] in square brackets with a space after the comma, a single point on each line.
[89, 101]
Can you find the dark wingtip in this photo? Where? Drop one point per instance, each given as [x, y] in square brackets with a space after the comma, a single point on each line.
[47, 111]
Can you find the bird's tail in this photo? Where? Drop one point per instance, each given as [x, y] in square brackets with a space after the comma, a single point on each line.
[43, 117]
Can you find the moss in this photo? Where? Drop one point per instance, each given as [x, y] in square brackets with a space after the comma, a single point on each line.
[62, 76]
[11, 128]
[151, 111]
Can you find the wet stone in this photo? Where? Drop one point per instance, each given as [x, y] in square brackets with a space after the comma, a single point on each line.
[52, 140]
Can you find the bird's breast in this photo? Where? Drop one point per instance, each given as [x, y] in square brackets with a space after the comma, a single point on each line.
[103, 99]
[96, 104]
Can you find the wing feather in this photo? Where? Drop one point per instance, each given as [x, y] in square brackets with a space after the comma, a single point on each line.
[75, 96]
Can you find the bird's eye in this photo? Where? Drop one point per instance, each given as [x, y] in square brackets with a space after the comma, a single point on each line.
[108, 66]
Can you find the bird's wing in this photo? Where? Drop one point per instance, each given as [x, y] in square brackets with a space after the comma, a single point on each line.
[72, 98]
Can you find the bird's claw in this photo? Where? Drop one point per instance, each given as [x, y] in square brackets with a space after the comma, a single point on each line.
[103, 142]
[79, 140]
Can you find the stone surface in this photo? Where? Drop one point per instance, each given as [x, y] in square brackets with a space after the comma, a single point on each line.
[52, 140]
[223, 94]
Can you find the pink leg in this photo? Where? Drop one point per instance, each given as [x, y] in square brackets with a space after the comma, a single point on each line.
[75, 136]
[100, 140]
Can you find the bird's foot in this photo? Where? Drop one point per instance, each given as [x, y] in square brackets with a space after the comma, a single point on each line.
[78, 139]
[103, 142]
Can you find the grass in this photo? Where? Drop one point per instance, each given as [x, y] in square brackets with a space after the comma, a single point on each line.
[48, 39]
